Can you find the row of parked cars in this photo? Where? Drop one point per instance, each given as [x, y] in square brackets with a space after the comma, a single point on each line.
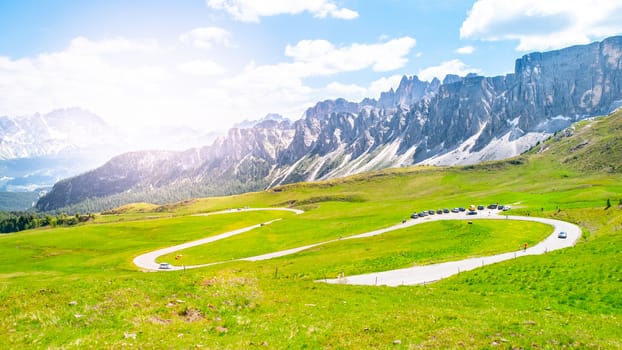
[472, 210]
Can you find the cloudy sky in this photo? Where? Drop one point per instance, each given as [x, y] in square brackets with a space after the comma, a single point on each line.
[211, 63]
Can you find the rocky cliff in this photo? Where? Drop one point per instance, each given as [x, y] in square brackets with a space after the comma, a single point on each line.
[460, 121]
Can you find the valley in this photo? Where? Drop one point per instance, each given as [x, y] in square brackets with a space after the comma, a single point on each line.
[76, 287]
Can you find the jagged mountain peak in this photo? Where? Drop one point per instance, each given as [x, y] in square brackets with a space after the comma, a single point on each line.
[270, 120]
[461, 121]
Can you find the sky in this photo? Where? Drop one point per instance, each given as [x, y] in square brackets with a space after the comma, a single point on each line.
[211, 63]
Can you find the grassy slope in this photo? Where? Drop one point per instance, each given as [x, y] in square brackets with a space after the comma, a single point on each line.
[569, 298]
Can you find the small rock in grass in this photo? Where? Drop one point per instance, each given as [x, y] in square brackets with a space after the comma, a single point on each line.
[397, 342]
[73, 302]
[221, 329]
[127, 335]
[78, 315]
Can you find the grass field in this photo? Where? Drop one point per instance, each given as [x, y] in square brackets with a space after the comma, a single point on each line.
[77, 288]
[414, 245]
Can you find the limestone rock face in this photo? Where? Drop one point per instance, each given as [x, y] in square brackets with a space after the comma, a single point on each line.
[462, 120]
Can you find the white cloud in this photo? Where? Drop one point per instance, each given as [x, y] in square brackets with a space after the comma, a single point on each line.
[350, 92]
[259, 89]
[354, 92]
[202, 68]
[84, 46]
[206, 37]
[383, 84]
[114, 78]
[465, 50]
[541, 25]
[252, 10]
[320, 57]
[449, 67]
[134, 83]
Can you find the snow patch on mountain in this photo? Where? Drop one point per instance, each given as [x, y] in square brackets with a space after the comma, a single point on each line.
[499, 148]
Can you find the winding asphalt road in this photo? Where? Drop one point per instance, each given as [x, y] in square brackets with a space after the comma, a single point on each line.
[408, 276]
[148, 261]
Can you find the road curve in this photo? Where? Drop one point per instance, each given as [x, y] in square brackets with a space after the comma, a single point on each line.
[148, 262]
[407, 276]
[434, 272]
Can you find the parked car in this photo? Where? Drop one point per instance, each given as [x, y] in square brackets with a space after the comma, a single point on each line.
[480, 207]
[461, 209]
[414, 216]
[492, 206]
[562, 234]
[423, 213]
[500, 207]
[455, 210]
[446, 210]
[506, 208]
[431, 212]
[439, 211]
[165, 266]
[471, 212]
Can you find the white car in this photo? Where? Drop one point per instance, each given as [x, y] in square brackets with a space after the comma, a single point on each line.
[165, 266]
[562, 234]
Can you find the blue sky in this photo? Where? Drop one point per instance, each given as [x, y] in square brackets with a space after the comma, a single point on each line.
[211, 63]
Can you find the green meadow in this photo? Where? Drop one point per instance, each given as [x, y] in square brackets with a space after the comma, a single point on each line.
[64, 288]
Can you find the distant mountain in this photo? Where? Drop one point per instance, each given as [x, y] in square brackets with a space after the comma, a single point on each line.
[462, 120]
[61, 131]
[267, 120]
[38, 150]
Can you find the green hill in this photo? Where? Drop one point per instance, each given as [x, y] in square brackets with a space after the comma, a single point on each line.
[77, 288]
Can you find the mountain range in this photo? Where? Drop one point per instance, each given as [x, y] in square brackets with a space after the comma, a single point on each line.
[461, 120]
[38, 150]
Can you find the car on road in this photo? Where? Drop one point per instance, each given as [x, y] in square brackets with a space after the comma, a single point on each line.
[423, 213]
[506, 208]
[492, 206]
[446, 210]
[471, 212]
[439, 211]
[461, 209]
[480, 207]
[431, 212]
[455, 210]
[165, 266]
[562, 234]
[414, 216]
